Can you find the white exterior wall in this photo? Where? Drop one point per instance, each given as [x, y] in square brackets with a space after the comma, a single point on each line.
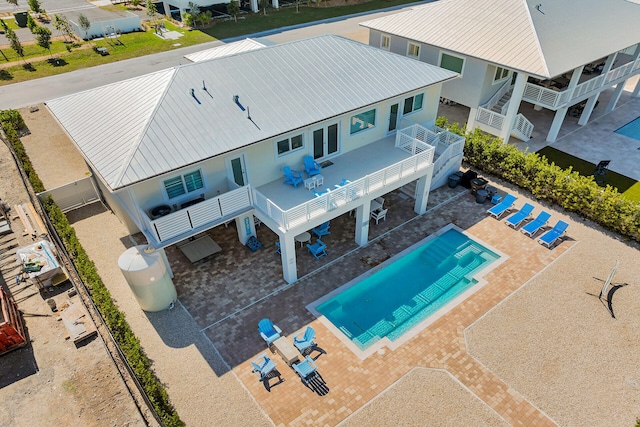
[473, 88]
[263, 165]
[101, 28]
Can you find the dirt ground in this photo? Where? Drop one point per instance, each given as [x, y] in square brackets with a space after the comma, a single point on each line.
[52, 381]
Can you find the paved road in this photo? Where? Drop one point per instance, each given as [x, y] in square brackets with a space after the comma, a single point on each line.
[28, 93]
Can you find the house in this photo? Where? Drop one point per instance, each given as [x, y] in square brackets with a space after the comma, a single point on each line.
[183, 150]
[176, 8]
[227, 49]
[103, 23]
[513, 55]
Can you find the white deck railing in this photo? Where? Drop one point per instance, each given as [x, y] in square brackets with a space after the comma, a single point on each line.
[197, 216]
[490, 118]
[524, 126]
[411, 140]
[493, 101]
[449, 146]
[555, 99]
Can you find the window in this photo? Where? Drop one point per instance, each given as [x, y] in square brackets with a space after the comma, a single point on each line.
[414, 50]
[385, 42]
[501, 73]
[362, 121]
[183, 184]
[452, 63]
[413, 103]
[289, 144]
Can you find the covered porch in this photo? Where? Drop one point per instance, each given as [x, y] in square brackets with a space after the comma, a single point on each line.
[575, 93]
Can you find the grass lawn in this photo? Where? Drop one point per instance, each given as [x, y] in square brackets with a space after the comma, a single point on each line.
[629, 188]
[286, 16]
[126, 46]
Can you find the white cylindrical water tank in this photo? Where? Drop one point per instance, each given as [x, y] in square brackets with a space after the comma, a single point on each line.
[148, 277]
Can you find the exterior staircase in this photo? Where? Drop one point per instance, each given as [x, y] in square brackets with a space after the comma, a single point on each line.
[502, 103]
[493, 114]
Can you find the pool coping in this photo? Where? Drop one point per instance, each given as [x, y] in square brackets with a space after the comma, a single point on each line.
[379, 346]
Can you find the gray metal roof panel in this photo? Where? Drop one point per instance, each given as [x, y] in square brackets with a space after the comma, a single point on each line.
[562, 35]
[284, 87]
[225, 50]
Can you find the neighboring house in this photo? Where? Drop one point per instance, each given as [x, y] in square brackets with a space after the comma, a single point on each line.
[176, 8]
[104, 23]
[183, 150]
[552, 54]
[227, 49]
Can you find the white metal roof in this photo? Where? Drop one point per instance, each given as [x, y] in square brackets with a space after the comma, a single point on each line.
[544, 38]
[139, 128]
[224, 50]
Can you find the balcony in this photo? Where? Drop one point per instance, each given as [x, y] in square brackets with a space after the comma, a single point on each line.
[555, 99]
[375, 169]
[195, 218]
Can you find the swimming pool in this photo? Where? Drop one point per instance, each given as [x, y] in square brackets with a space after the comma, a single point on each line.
[407, 289]
[631, 129]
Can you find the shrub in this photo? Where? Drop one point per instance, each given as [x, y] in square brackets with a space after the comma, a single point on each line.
[546, 181]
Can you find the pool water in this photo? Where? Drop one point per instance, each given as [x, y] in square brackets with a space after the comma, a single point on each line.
[631, 129]
[402, 294]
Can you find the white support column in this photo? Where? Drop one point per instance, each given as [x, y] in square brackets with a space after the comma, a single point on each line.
[588, 109]
[608, 63]
[557, 124]
[275, 4]
[245, 227]
[362, 223]
[167, 8]
[288, 257]
[636, 91]
[422, 192]
[561, 113]
[514, 106]
[471, 121]
[615, 97]
[254, 6]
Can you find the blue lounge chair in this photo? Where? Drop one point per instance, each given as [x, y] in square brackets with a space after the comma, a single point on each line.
[516, 218]
[321, 230]
[307, 369]
[311, 166]
[318, 249]
[540, 221]
[551, 236]
[268, 331]
[503, 206]
[278, 248]
[304, 342]
[263, 366]
[291, 176]
[342, 183]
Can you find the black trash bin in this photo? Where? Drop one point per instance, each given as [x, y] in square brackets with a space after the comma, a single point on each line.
[481, 196]
[21, 19]
[454, 180]
[467, 177]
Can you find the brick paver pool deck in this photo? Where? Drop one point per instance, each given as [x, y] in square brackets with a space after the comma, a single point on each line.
[230, 292]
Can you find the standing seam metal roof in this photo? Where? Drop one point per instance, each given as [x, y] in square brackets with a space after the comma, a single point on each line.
[143, 127]
[545, 41]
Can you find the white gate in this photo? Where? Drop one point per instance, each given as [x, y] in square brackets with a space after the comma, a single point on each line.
[73, 195]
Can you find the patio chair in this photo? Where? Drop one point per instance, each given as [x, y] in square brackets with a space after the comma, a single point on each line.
[304, 342]
[540, 221]
[318, 249]
[503, 206]
[515, 219]
[551, 236]
[263, 366]
[291, 176]
[342, 183]
[307, 370]
[378, 215]
[321, 230]
[268, 331]
[311, 166]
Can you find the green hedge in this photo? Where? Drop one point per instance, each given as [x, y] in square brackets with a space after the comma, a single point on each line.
[114, 319]
[546, 181]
